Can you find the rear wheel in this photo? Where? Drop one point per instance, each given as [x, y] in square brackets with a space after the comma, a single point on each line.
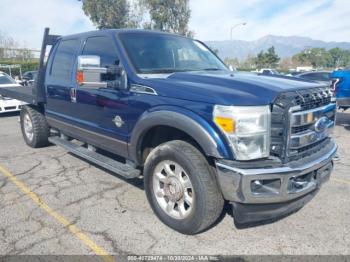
[35, 129]
[181, 187]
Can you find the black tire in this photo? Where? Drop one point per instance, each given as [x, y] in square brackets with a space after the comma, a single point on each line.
[208, 200]
[40, 128]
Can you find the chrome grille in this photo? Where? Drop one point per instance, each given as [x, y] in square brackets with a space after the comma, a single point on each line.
[309, 128]
[312, 98]
[294, 115]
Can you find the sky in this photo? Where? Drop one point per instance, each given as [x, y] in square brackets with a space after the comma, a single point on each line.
[327, 20]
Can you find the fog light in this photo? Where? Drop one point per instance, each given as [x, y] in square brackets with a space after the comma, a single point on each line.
[257, 184]
[299, 183]
[265, 186]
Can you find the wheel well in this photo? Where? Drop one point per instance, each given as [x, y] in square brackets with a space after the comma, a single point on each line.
[40, 108]
[161, 134]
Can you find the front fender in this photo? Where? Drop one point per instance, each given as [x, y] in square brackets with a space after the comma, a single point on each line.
[210, 140]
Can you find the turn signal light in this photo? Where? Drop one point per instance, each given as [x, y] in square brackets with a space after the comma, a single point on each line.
[80, 77]
[227, 124]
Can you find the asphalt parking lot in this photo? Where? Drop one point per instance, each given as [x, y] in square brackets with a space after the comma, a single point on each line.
[52, 202]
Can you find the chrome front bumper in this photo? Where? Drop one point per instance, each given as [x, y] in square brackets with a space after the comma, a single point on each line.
[291, 181]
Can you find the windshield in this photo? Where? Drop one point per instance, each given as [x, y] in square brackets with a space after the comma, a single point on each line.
[5, 79]
[162, 53]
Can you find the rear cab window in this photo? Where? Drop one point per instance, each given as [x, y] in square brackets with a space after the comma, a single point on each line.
[64, 60]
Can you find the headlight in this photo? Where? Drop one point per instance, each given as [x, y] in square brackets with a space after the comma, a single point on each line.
[247, 128]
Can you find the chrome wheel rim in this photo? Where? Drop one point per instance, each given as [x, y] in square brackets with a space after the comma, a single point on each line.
[28, 127]
[173, 189]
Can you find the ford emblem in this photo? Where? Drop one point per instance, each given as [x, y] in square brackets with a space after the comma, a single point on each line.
[321, 124]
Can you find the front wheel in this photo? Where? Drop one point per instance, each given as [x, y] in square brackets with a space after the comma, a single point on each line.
[181, 187]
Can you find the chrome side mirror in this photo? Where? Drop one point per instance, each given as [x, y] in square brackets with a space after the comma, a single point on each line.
[89, 73]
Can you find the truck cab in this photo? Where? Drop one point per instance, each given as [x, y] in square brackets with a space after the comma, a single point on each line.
[165, 108]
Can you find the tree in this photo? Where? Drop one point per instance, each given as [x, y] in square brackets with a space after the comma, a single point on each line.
[267, 59]
[288, 63]
[108, 13]
[9, 49]
[346, 59]
[302, 58]
[260, 60]
[169, 15]
[339, 57]
[165, 15]
[249, 62]
[317, 57]
[336, 56]
[272, 58]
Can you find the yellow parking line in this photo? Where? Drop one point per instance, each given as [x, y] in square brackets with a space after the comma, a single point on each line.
[341, 181]
[72, 228]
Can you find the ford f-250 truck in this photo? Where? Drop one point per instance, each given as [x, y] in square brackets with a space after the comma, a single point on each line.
[165, 108]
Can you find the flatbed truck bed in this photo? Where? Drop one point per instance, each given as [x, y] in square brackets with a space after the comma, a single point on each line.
[21, 93]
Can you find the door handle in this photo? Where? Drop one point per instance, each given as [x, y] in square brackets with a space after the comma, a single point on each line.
[73, 95]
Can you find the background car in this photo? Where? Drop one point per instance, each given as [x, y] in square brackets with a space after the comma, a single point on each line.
[341, 87]
[29, 77]
[319, 76]
[268, 71]
[8, 104]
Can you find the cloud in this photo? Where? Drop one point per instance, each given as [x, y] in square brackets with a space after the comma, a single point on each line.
[319, 19]
[211, 20]
[25, 20]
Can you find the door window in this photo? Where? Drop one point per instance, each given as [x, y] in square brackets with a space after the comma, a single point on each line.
[103, 47]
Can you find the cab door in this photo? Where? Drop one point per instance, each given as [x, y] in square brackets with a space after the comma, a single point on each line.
[60, 80]
[103, 111]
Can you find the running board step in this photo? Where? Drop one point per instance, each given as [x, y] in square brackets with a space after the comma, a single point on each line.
[119, 168]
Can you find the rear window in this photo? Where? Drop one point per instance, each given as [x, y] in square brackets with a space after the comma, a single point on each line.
[64, 59]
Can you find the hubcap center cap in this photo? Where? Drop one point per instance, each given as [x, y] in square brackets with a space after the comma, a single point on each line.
[174, 189]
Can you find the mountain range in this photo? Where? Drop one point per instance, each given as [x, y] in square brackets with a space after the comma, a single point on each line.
[285, 46]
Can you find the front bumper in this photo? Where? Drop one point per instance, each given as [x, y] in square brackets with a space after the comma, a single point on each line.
[10, 105]
[276, 188]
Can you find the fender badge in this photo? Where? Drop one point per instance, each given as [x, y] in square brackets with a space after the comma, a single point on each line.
[118, 121]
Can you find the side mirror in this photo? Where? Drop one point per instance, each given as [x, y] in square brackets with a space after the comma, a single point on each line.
[89, 73]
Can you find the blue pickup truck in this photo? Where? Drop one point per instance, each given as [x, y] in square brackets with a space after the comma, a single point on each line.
[341, 87]
[166, 109]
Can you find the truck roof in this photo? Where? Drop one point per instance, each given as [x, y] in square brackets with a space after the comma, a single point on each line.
[116, 31]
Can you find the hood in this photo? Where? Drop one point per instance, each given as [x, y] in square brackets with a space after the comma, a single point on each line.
[225, 87]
